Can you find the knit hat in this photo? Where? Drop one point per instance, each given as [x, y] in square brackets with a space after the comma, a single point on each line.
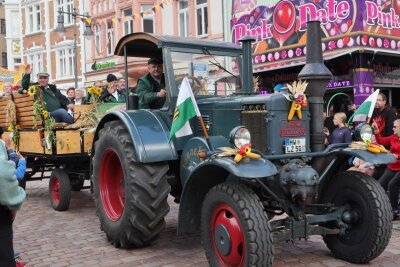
[111, 78]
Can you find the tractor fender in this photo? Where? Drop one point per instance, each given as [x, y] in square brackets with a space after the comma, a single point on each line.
[343, 155]
[149, 133]
[374, 158]
[209, 173]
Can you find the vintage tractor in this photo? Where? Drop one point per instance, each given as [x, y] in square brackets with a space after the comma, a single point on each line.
[255, 163]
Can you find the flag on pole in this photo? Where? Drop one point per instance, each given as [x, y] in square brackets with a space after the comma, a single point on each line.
[186, 108]
[365, 110]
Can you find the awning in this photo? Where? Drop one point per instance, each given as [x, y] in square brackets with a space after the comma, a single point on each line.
[275, 65]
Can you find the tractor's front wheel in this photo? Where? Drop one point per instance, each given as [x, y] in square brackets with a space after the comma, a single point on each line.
[131, 197]
[235, 227]
[367, 215]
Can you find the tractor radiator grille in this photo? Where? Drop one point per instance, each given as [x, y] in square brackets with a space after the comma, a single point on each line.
[206, 120]
[256, 122]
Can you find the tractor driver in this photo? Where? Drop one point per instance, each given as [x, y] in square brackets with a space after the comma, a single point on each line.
[151, 87]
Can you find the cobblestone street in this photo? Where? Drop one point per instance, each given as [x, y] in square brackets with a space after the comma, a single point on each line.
[45, 237]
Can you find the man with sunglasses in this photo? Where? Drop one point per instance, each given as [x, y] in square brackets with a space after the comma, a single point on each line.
[55, 102]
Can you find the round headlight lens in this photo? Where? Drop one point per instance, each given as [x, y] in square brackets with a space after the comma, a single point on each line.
[240, 136]
[364, 132]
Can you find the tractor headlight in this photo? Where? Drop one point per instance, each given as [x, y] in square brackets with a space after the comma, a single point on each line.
[240, 136]
[363, 132]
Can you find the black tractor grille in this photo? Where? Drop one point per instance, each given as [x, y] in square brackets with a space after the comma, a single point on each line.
[206, 120]
[256, 122]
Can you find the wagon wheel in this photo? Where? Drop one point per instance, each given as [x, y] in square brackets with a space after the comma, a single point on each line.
[60, 190]
[368, 216]
[130, 197]
[235, 228]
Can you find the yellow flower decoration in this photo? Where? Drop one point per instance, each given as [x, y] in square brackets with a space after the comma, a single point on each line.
[10, 128]
[45, 114]
[90, 90]
[98, 91]
[32, 90]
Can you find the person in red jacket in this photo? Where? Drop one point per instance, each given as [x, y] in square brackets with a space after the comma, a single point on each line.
[390, 179]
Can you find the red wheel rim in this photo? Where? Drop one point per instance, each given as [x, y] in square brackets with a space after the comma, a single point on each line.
[55, 191]
[225, 217]
[112, 185]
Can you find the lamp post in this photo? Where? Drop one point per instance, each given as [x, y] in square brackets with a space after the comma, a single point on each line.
[87, 32]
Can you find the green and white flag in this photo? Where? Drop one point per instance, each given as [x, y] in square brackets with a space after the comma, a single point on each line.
[186, 108]
[366, 109]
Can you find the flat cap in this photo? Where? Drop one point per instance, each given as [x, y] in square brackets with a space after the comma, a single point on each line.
[155, 61]
[43, 74]
[111, 78]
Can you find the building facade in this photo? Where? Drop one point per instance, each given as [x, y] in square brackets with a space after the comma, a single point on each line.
[13, 33]
[50, 51]
[361, 43]
[114, 19]
[3, 31]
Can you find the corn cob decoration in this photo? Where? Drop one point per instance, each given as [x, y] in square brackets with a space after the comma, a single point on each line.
[371, 147]
[239, 153]
[298, 98]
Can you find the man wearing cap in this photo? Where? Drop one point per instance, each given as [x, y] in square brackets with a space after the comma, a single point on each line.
[151, 87]
[111, 94]
[56, 103]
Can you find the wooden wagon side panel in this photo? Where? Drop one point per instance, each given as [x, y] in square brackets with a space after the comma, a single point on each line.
[30, 142]
[24, 106]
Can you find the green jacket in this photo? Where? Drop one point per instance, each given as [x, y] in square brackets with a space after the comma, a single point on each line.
[50, 97]
[147, 89]
[109, 98]
[11, 195]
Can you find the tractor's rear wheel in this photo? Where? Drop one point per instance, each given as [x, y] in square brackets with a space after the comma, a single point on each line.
[131, 197]
[60, 190]
[235, 228]
[368, 215]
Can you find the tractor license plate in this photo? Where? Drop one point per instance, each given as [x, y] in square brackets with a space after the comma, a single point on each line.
[295, 145]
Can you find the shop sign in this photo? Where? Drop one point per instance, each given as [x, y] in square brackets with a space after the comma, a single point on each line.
[200, 69]
[338, 84]
[105, 65]
[345, 24]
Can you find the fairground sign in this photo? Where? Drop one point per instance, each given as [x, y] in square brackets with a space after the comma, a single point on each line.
[280, 26]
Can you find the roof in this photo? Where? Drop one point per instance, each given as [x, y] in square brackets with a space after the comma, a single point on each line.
[142, 44]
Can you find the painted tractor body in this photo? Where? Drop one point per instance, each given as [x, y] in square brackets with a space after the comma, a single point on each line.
[233, 203]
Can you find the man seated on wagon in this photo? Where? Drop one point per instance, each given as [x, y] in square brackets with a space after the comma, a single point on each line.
[55, 102]
[111, 93]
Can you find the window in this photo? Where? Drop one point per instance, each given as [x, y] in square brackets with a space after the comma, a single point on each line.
[66, 6]
[148, 19]
[183, 18]
[4, 60]
[3, 26]
[65, 63]
[128, 23]
[17, 60]
[110, 38]
[97, 39]
[201, 17]
[35, 59]
[33, 22]
[15, 24]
